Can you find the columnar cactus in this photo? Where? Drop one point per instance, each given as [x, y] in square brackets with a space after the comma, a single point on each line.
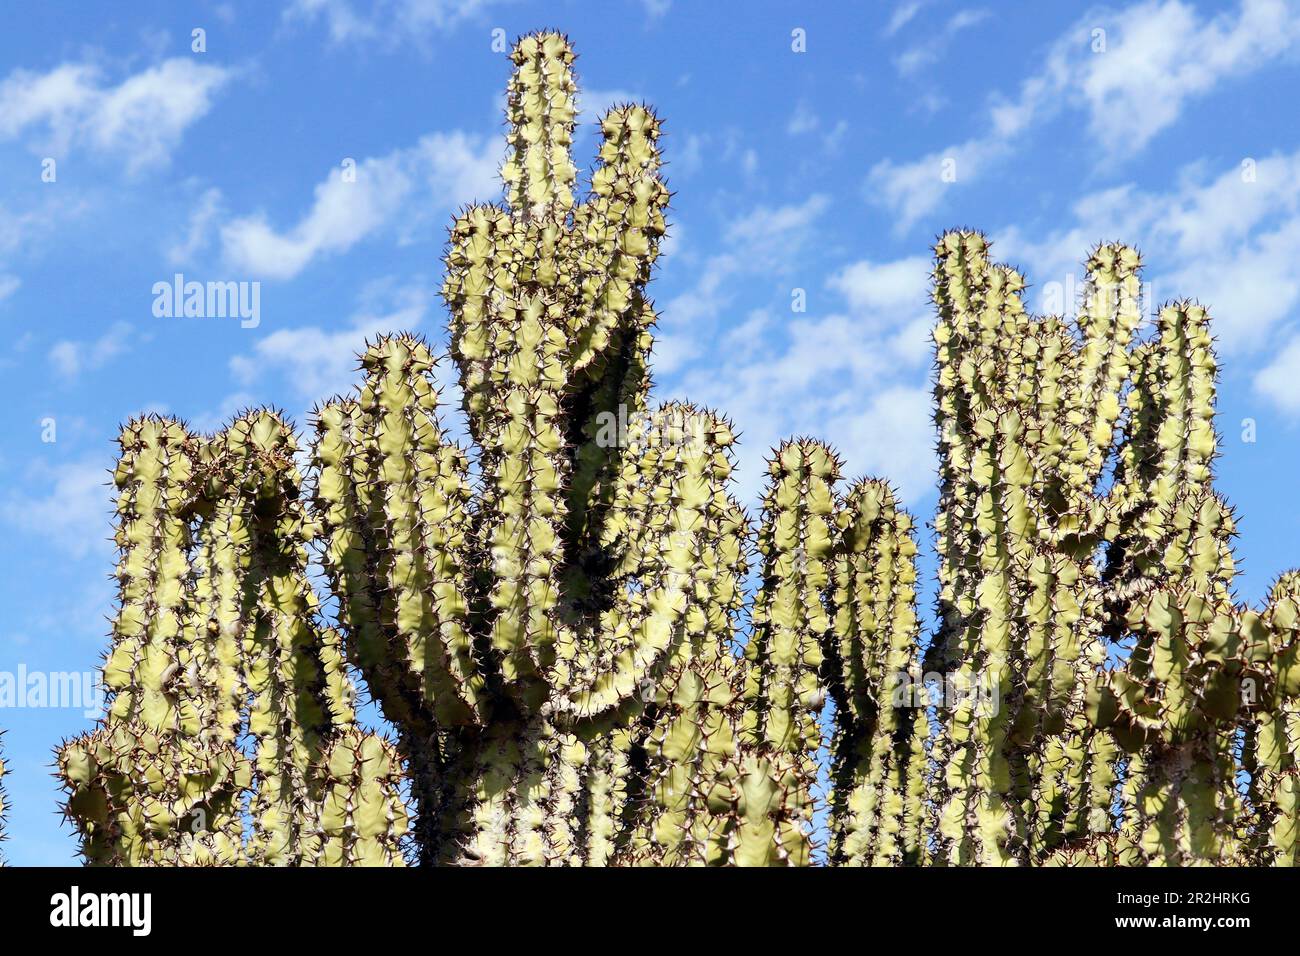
[551, 640]
[879, 760]
[216, 640]
[550, 616]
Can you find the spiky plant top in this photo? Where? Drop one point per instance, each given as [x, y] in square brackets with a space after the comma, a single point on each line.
[547, 616]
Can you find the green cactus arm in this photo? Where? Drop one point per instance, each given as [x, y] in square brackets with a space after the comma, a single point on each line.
[616, 231]
[250, 657]
[770, 817]
[294, 670]
[1170, 443]
[692, 719]
[393, 493]
[1272, 728]
[982, 793]
[690, 749]
[154, 477]
[692, 716]
[139, 797]
[876, 807]
[479, 279]
[1175, 706]
[680, 548]
[1108, 321]
[513, 378]
[128, 803]
[360, 816]
[784, 691]
[606, 404]
[783, 686]
[681, 543]
[222, 546]
[541, 111]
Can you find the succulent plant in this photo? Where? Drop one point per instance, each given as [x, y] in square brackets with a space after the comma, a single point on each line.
[551, 614]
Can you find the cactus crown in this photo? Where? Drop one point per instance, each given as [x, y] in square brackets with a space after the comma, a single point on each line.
[547, 617]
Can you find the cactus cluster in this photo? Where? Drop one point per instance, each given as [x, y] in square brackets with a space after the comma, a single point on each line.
[551, 617]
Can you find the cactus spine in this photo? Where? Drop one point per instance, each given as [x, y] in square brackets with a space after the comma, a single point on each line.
[549, 615]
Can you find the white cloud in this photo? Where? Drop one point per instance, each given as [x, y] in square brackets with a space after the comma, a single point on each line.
[73, 510]
[317, 363]
[440, 172]
[902, 16]
[71, 357]
[197, 231]
[802, 120]
[1158, 56]
[929, 51]
[141, 120]
[389, 19]
[8, 285]
[884, 293]
[341, 20]
[1279, 381]
[768, 235]
[853, 375]
[892, 437]
[914, 189]
[765, 241]
[830, 378]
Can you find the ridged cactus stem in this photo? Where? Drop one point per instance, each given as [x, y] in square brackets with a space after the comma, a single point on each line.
[542, 109]
[155, 481]
[878, 755]
[1272, 734]
[784, 691]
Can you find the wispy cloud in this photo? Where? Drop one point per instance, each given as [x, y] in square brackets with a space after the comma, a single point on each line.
[198, 230]
[387, 21]
[316, 362]
[850, 369]
[140, 120]
[438, 173]
[72, 508]
[764, 240]
[903, 15]
[71, 357]
[929, 51]
[1228, 240]
[1132, 80]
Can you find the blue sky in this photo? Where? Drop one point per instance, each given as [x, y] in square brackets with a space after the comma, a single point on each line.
[823, 171]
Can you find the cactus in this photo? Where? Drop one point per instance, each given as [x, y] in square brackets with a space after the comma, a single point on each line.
[217, 639]
[550, 615]
[536, 637]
